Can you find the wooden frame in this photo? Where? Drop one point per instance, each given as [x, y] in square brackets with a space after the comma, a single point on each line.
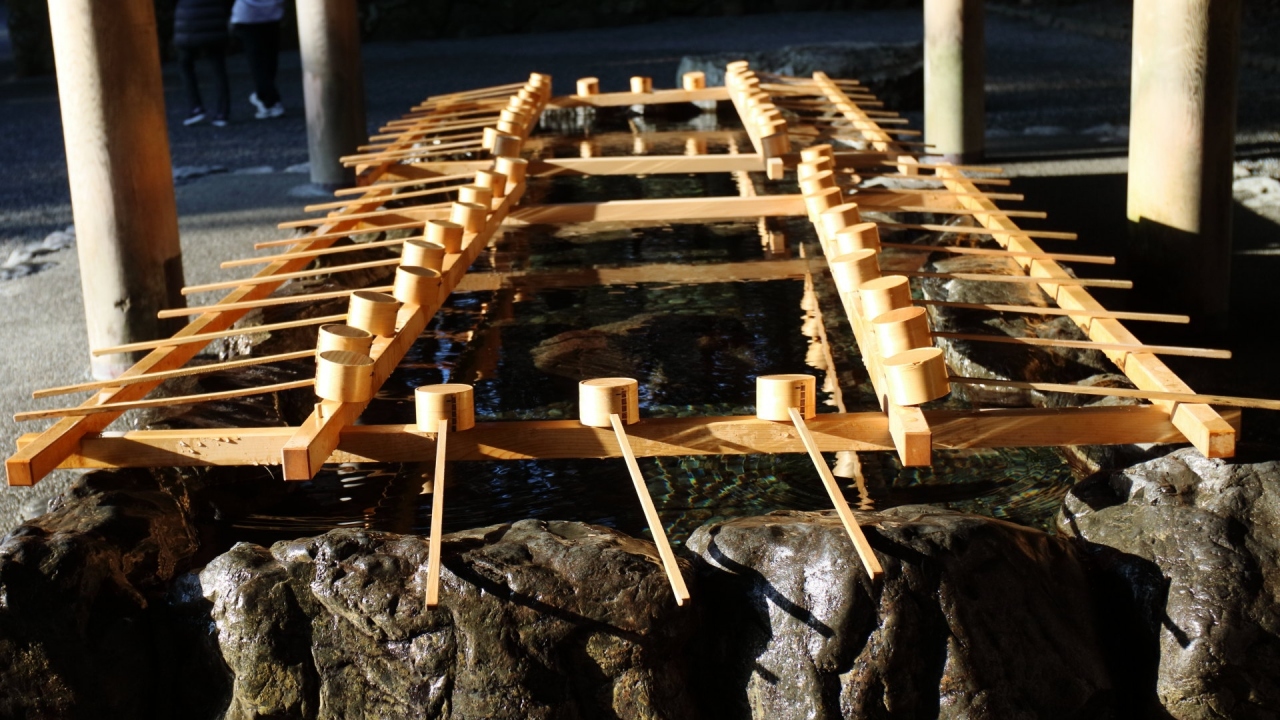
[330, 434]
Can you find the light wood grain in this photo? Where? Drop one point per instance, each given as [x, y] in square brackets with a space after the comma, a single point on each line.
[437, 515]
[1233, 401]
[167, 374]
[650, 513]
[1036, 310]
[865, 553]
[120, 407]
[655, 437]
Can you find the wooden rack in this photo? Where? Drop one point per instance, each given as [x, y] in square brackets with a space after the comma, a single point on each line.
[450, 141]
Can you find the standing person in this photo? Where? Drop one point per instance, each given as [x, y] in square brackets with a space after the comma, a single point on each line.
[257, 24]
[200, 29]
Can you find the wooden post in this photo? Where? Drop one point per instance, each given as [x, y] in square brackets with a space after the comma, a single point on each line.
[118, 165]
[954, 50]
[1181, 145]
[333, 85]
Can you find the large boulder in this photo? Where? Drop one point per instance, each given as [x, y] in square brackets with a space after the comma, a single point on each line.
[78, 590]
[1191, 548]
[536, 620]
[975, 618]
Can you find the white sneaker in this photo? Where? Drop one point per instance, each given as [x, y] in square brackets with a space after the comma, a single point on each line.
[265, 112]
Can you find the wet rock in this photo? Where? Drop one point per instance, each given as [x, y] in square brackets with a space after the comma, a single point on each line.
[537, 620]
[975, 618]
[893, 71]
[1190, 546]
[76, 586]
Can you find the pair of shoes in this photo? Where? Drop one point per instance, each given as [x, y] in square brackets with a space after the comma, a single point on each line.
[196, 115]
[265, 112]
[219, 120]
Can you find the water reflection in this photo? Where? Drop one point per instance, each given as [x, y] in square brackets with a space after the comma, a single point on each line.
[696, 349]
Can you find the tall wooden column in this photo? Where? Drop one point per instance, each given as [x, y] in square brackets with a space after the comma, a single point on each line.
[118, 165]
[954, 73]
[333, 85]
[1181, 146]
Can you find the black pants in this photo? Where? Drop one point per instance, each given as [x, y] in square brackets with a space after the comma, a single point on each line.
[216, 54]
[262, 48]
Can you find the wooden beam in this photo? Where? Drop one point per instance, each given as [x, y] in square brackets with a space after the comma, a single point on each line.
[654, 437]
[667, 210]
[624, 99]
[1205, 428]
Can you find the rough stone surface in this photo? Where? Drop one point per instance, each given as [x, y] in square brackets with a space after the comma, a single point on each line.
[1191, 547]
[975, 618]
[537, 620]
[76, 586]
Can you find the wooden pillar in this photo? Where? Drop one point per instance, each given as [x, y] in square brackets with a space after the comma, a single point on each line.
[113, 124]
[954, 72]
[1181, 147]
[333, 85]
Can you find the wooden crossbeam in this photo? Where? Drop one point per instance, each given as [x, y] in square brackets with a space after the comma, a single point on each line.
[653, 437]
[624, 99]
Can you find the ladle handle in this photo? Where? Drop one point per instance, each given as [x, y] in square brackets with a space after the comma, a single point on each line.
[650, 513]
[860, 543]
[437, 516]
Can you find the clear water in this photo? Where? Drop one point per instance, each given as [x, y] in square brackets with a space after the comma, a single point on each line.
[695, 349]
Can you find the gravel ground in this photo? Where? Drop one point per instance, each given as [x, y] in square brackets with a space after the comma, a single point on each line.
[1050, 94]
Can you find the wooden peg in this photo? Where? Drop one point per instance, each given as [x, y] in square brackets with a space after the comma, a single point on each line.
[506, 145]
[853, 270]
[445, 233]
[600, 397]
[695, 80]
[838, 218]
[901, 330]
[514, 168]
[822, 201]
[641, 84]
[470, 216]
[817, 152]
[860, 236]
[507, 127]
[416, 285]
[883, 294]
[495, 181]
[817, 182]
[477, 194]
[453, 403]
[916, 376]
[343, 338]
[737, 66]
[417, 252]
[373, 312]
[344, 376]
[776, 395]
[813, 167]
[588, 86]
[487, 138]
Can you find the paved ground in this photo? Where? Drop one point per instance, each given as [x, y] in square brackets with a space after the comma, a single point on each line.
[1057, 102]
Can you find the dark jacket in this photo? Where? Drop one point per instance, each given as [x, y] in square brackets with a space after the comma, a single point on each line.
[198, 23]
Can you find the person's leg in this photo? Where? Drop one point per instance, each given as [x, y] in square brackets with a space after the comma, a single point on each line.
[187, 61]
[269, 94]
[217, 54]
